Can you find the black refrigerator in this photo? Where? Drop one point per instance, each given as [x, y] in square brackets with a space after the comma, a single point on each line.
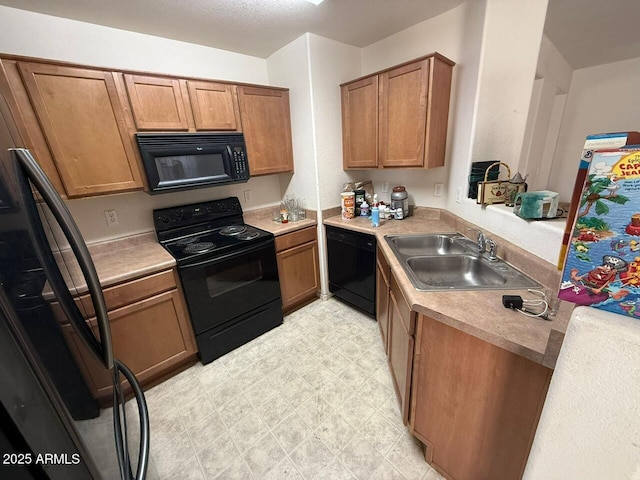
[51, 427]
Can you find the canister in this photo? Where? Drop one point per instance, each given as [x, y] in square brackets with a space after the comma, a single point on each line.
[348, 205]
[400, 199]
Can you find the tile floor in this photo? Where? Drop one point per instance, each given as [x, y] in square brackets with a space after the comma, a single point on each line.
[309, 400]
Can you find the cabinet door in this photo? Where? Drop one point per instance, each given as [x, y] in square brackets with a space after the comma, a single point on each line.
[403, 114]
[360, 123]
[400, 347]
[475, 405]
[151, 337]
[214, 106]
[299, 274]
[438, 112]
[84, 123]
[157, 103]
[266, 123]
[382, 299]
[29, 133]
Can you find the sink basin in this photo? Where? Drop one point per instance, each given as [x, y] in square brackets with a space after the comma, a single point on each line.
[454, 271]
[449, 261]
[429, 244]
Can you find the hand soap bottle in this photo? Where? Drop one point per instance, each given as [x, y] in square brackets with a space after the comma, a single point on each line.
[375, 212]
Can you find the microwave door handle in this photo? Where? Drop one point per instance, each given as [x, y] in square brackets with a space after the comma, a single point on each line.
[103, 350]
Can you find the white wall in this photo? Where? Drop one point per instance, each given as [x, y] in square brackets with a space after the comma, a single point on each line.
[313, 67]
[601, 99]
[590, 424]
[31, 34]
[506, 48]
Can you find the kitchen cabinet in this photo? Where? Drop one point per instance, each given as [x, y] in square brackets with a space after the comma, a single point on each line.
[297, 257]
[157, 103]
[82, 117]
[474, 405]
[171, 104]
[398, 117]
[401, 344]
[266, 123]
[150, 328]
[383, 273]
[360, 123]
[30, 134]
[214, 105]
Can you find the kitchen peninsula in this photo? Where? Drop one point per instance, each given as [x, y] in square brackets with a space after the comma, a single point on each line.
[470, 375]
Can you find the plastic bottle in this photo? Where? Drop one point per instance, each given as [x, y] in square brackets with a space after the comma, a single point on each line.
[375, 213]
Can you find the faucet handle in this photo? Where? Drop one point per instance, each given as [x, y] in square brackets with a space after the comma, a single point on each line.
[493, 246]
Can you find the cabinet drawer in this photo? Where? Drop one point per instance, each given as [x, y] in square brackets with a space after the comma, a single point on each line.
[293, 239]
[407, 317]
[123, 294]
[130, 292]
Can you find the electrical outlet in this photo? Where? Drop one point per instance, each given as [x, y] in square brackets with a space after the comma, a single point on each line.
[437, 189]
[385, 187]
[247, 196]
[112, 217]
[459, 194]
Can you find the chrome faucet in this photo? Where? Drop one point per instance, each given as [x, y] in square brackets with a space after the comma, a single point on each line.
[482, 243]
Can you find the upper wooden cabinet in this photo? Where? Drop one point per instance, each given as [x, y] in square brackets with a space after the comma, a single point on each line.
[79, 122]
[214, 105]
[156, 102]
[170, 104]
[360, 123]
[81, 114]
[398, 117]
[266, 122]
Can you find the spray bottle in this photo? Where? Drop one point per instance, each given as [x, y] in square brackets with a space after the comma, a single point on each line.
[375, 212]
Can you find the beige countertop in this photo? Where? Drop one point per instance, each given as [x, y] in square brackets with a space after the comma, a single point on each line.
[479, 313]
[279, 228]
[118, 261]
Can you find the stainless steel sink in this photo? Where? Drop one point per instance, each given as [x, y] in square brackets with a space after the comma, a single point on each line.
[450, 261]
[432, 244]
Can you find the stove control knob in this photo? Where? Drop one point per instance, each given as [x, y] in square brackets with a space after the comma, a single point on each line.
[209, 209]
[164, 219]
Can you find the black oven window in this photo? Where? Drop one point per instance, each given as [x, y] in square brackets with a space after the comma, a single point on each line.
[183, 167]
[220, 282]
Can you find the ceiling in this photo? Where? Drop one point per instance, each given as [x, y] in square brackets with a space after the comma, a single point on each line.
[586, 32]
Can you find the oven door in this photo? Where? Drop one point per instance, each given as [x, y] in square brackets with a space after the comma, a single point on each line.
[218, 290]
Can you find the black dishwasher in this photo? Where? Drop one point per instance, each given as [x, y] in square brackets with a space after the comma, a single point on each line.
[352, 267]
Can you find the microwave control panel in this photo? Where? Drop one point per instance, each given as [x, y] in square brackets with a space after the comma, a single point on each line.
[240, 164]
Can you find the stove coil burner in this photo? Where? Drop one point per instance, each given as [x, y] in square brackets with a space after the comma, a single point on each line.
[199, 247]
[250, 235]
[186, 241]
[233, 230]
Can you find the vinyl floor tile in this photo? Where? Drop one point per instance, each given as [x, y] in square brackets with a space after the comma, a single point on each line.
[309, 400]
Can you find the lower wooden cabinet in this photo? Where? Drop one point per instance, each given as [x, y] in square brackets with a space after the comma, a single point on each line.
[297, 256]
[474, 405]
[151, 335]
[401, 343]
[382, 298]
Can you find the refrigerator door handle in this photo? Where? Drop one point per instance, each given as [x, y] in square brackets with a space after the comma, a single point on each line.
[103, 350]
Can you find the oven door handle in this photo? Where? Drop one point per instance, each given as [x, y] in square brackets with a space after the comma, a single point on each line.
[235, 253]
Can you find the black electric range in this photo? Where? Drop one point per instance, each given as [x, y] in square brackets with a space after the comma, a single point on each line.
[228, 272]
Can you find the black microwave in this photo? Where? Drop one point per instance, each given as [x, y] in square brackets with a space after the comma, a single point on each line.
[180, 161]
